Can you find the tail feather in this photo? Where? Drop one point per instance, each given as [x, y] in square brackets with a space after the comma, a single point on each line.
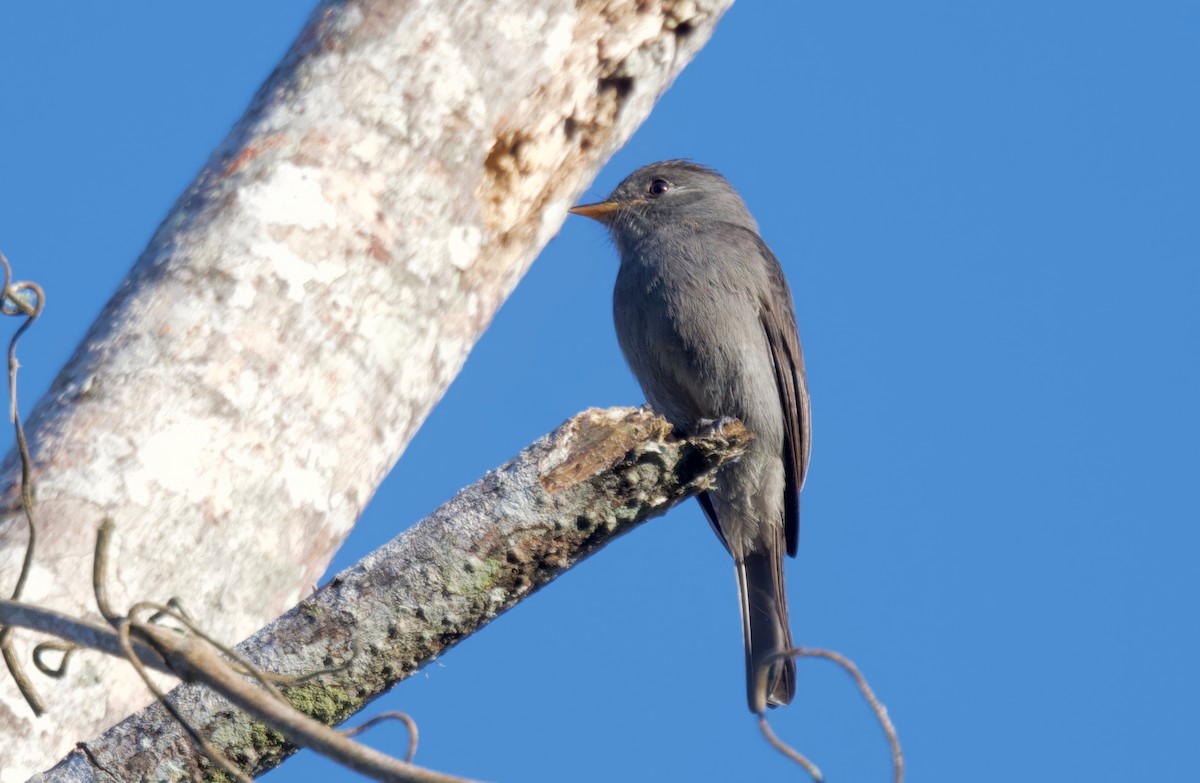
[766, 629]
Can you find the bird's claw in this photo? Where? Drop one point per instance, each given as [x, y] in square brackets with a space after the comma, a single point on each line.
[713, 428]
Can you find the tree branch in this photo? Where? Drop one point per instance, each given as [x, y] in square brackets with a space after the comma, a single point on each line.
[596, 477]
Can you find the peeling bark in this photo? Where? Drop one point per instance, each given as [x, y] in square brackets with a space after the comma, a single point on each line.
[307, 301]
[596, 477]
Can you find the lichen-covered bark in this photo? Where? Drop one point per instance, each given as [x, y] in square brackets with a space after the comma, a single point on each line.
[307, 301]
[594, 478]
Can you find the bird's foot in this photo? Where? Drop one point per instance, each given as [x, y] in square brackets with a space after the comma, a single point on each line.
[715, 428]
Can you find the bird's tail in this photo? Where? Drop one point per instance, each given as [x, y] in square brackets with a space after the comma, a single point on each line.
[766, 629]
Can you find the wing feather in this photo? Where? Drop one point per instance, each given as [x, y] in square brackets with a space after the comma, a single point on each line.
[783, 340]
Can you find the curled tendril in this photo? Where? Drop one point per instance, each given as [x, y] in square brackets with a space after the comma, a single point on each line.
[881, 713]
[21, 299]
[66, 649]
[380, 718]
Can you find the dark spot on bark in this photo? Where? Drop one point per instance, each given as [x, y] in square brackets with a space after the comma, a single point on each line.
[570, 127]
[691, 463]
[621, 85]
[683, 29]
[503, 166]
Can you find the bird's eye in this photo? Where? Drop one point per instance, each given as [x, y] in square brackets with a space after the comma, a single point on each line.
[659, 187]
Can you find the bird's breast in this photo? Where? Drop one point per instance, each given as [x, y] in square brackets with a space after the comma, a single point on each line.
[692, 336]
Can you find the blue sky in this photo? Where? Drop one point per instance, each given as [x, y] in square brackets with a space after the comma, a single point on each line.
[989, 216]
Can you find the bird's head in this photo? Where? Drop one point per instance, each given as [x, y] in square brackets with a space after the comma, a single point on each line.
[668, 194]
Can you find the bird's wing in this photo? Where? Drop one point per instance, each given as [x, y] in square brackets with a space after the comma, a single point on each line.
[779, 323]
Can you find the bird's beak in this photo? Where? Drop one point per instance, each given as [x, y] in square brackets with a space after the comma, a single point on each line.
[601, 210]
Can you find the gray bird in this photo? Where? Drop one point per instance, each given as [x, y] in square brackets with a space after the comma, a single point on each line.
[704, 317]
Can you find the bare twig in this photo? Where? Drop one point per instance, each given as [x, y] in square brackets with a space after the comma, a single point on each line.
[788, 750]
[21, 299]
[125, 642]
[75, 632]
[881, 713]
[197, 661]
[196, 657]
[392, 715]
[64, 649]
[99, 569]
[124, 628]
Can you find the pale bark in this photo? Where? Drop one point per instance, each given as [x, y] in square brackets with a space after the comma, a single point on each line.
[561, 499]
[307, 301]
